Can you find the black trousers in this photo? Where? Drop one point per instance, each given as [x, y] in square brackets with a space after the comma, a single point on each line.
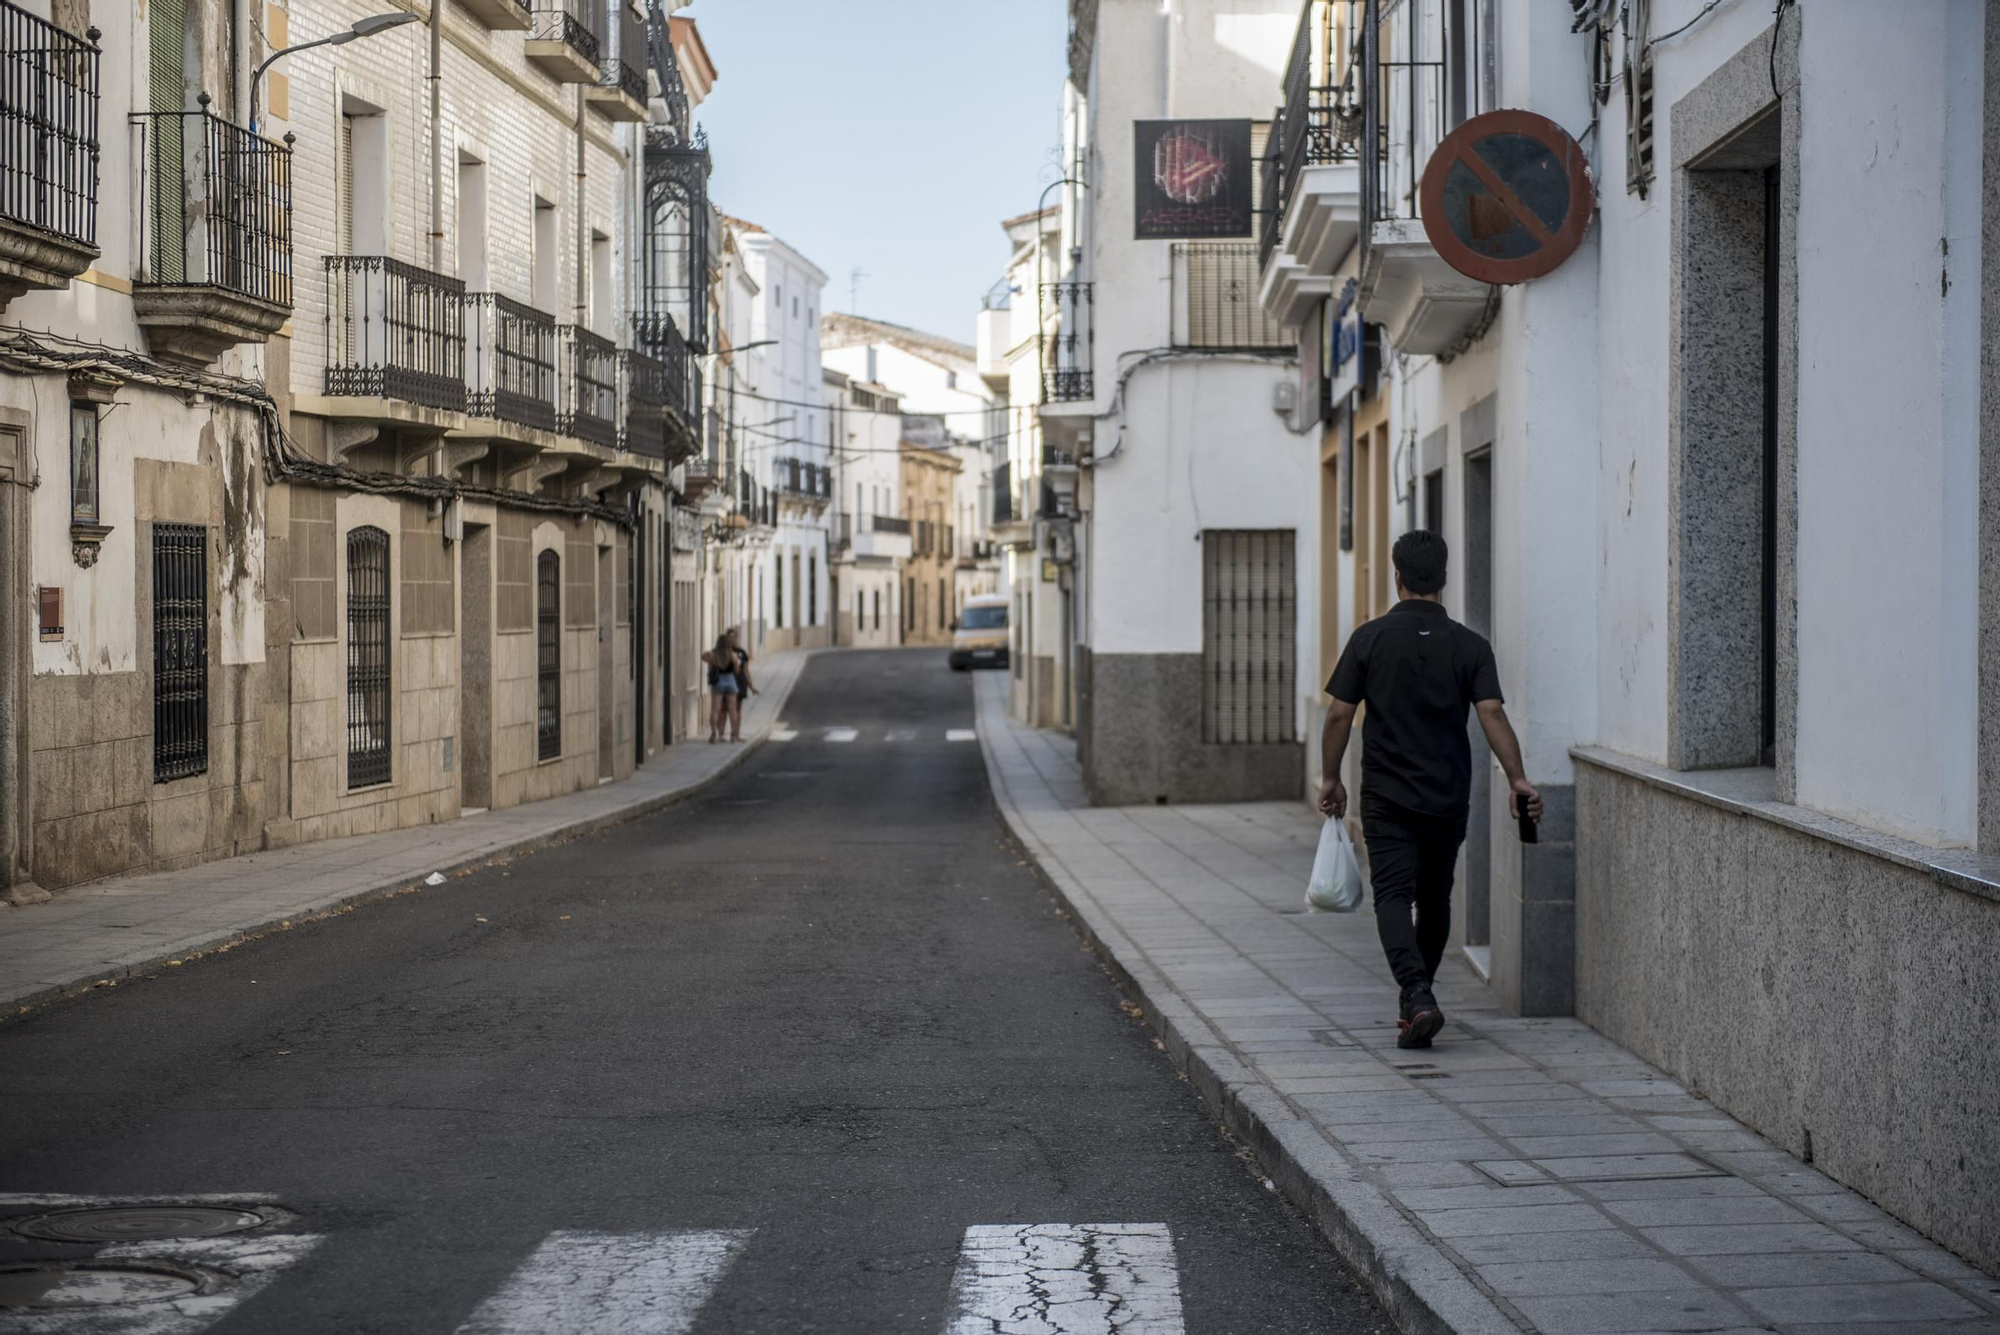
[1411, 858]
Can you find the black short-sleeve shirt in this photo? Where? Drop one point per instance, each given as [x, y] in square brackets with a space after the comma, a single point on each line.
[1418, 671]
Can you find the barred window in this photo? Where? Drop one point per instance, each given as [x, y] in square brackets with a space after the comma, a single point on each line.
[367, 657]
[1249, 641]
[548, 655]
[180, 651]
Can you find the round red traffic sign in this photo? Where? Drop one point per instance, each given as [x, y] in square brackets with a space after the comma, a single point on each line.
[1507, 197]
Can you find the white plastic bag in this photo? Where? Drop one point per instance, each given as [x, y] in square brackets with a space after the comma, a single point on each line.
[1336, 877]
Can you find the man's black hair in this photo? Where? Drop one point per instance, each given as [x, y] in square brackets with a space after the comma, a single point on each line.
[1420, 558]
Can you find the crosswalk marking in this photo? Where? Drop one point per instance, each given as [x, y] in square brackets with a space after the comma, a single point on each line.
[841, 734]
[783, 734]
[900, 735]
[1066, 1279]
[581, 1283]
[251, 1263]
[960, 735]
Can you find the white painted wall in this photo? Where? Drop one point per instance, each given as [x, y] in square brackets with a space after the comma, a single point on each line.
[1887, 392]
[1196, 445]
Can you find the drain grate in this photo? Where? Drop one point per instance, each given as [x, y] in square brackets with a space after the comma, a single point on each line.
[1430, 1075]
[61, 1285]
[138, 1223]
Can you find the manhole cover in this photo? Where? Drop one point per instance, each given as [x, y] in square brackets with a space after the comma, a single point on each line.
[136, 1223]
[90, 1284]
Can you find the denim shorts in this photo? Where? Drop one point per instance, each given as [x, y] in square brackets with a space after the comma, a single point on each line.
[725, 684]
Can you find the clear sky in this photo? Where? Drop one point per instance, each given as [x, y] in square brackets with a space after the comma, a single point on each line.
[893, 135]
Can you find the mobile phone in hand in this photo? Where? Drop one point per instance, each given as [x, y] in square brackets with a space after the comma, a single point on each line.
[1524, 822]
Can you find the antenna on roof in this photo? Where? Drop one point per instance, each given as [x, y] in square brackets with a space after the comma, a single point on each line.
[854, 277]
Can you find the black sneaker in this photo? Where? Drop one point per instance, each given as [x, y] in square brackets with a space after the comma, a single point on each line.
[1425, 1018]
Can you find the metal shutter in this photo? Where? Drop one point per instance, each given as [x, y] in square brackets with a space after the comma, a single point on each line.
[1249, 636]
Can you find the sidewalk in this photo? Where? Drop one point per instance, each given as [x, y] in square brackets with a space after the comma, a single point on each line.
[1524, 1174]
[110, 929]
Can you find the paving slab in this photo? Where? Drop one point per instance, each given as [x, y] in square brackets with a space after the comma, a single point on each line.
[97, 934]
[1524, 1174]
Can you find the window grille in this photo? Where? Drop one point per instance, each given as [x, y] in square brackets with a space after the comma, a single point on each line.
[180, 651]
[1216, 303]
[367, 657]
[1249, 636]
[548, 656]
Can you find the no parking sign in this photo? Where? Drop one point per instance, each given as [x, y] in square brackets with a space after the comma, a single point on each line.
[1507, 197]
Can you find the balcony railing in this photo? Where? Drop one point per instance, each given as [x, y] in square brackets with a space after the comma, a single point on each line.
[1411, 97]
[590, 386]
[215, 206]
[394, 331]
[1215, 298]
[573, 23]
[626, 70]
[645, 405]
[1068, 312]
[798, 477]
[513, 361]
[891, 524]
[48, 126]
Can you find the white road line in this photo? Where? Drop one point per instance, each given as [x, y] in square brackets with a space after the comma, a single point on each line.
[250, 1262]
[900, 735]
[960, 735]
[783, 734]
[1066, 1279]
[580, 1283]
[841, 734]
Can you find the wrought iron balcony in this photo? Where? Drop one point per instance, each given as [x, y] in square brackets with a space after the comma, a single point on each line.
[214, 233]
[394, 331]
[800, 477]
[48, 153]
[890, 524]
[513, 371]
[1065, 338]
[590, 387]
[663, 386]
[620, 93]
[1418, 82]
[645, 428]
[699, 476]
[565, 43]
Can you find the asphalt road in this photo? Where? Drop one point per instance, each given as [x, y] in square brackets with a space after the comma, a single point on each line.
[826, 1001]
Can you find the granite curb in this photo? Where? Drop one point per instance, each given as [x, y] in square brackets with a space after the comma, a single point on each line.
[1423, 1291]
[200, 944]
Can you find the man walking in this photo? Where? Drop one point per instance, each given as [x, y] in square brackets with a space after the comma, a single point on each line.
[1418, 671]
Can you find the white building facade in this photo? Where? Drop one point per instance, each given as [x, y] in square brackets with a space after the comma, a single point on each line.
[1743, 649]
[367, 448]
[870, 533]
[1180, 505]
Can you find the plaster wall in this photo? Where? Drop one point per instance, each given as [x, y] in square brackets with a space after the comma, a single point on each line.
[1908, 253]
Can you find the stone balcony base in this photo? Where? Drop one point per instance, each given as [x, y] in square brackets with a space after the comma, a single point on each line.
[195, 325]
[33, 260]
[1423, 304]
[500, 15]
[559, 60]
[615, 104]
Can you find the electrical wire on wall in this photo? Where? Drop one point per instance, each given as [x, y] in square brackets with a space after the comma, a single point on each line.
[283, 461]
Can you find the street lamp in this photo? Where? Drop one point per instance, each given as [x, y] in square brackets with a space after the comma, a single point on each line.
[367, 27]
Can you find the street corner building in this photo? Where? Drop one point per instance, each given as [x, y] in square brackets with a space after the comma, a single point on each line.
[1736, 562]
[344, 416]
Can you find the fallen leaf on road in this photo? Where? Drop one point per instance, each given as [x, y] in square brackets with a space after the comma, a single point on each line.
[565, 917]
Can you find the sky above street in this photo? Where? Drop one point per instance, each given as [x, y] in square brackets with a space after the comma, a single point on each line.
[889, 135]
